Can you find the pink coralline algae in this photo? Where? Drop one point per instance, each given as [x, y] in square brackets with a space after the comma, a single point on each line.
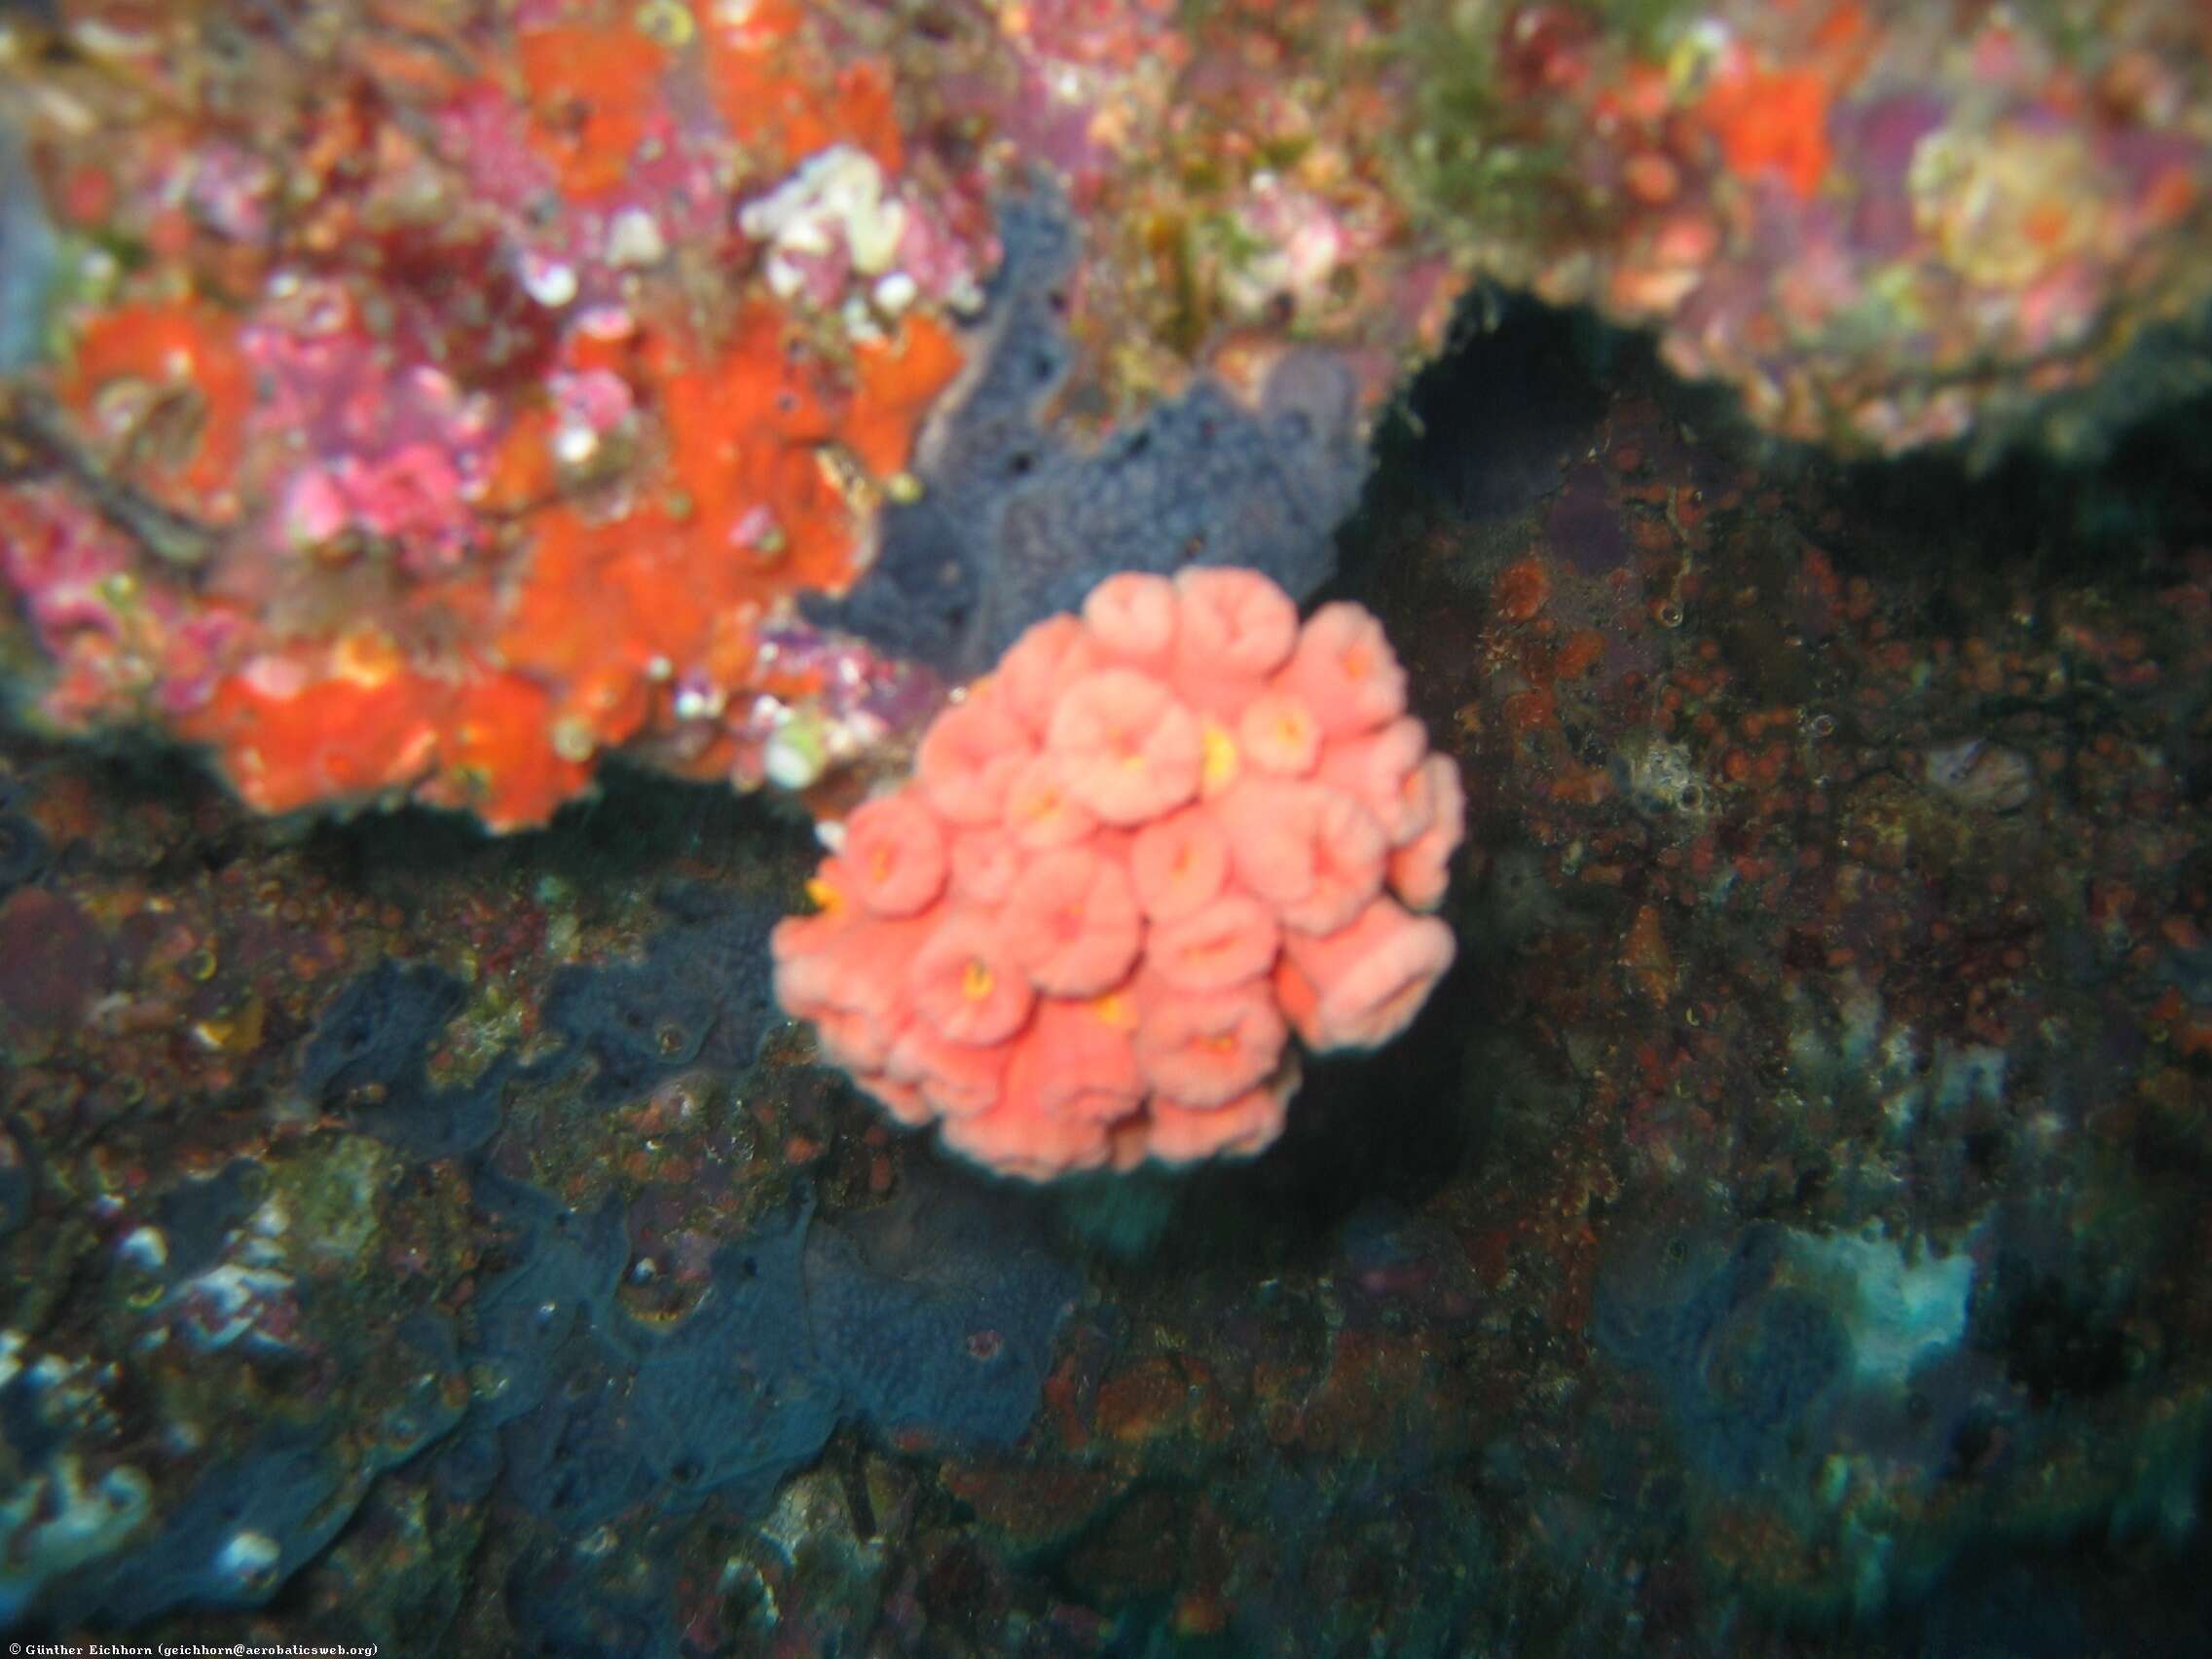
[1160, 839]
[408, 452]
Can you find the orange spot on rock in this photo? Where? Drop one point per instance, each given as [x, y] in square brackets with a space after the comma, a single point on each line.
[343, 734]
[1202, 1612]
[521, 474]
[86, 194]
[899, 379]
[167, 391]
[745, 433]
[1584, 649]
[592, 92]
[1651, 179]
[1148, 1399]
[1771, 121]
[550, 628]
[498, 758]
[1530, 712]
[1521, 591]
[778, 85]
[1582, 785]
[2171, 196]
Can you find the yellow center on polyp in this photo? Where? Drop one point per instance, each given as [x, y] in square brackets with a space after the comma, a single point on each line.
[1113, 1009]
[826, 896]
[1222, 1045]
[1355, 663]
[1220, 758]
[880, 864]
[976, 981]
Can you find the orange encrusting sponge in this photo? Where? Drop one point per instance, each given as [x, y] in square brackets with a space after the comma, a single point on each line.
[1158, 841]
[522, 670]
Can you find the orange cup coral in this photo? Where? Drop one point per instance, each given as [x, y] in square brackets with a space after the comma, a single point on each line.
[1163, 838]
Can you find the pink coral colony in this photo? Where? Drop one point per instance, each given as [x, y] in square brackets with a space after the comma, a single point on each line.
[1160, 839]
